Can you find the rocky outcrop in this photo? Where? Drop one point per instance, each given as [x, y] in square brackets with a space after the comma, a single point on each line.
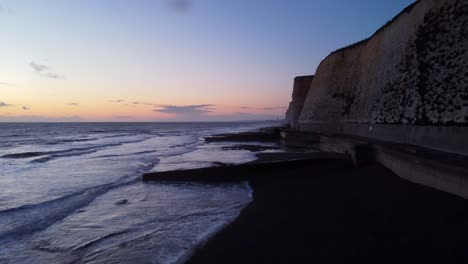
[300, 91]
[407, 83]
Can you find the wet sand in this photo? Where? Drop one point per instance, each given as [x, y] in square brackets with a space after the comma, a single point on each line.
[357, 215]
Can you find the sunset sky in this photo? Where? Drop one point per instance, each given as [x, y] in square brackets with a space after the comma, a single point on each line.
[162, 60]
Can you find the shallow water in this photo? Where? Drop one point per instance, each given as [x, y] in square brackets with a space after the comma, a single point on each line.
[71, 193]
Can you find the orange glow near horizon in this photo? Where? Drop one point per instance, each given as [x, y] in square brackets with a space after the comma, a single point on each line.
[64, 97]
[57, 106]
[66, 60]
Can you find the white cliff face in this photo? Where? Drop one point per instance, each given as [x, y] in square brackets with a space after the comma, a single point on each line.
[412, 71]
[300, 90]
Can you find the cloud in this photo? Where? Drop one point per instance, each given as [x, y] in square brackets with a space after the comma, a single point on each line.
[25, 108]
[121, 101]
[180, 5]
[264, 108]
[239, 116]
[44, 70]
[73, 104]
[274, 108]
[3, 104]
[4, 84]
[141, 103]
[205, 112]
[185, 110]
[32, 118]
[38, 67]
[242, 116]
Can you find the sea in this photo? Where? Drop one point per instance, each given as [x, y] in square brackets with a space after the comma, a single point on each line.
[72, 192]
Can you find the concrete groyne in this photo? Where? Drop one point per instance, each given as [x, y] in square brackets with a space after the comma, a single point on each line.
[249, 171]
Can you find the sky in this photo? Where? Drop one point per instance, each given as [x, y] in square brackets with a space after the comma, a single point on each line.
[169, 60]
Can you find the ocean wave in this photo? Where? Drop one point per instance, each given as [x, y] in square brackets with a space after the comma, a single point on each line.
[64, 153]
[24, 155]
[127, 154]
[82, 221]
[31, 218]
[70, 140]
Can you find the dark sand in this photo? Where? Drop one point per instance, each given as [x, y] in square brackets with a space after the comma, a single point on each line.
[364, 215]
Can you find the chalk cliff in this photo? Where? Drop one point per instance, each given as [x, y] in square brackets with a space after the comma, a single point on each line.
[300, 89]
[407, 83]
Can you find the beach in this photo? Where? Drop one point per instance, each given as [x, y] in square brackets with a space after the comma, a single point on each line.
[362, 215]
[184, 131]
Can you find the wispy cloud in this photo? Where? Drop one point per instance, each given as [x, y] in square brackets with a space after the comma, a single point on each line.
[242, 116]
[116, 101]
[238, 116]
[180, 5]
[44, 70]
[206, 112]
[274, 108]
[185, 109]
[25, 108]
[263, 108]
[142, 103]
[3, 104]
[4, 84]
[73, 104]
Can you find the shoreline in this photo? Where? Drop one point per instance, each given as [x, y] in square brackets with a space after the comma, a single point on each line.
[326, 210]
[340, 215]
[262, 158]
[366, 214]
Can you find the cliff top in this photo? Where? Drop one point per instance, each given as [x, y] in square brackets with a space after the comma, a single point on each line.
[407, 10]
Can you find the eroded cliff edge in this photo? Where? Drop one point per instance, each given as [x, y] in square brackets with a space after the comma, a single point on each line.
[408, 83]
[300, 90]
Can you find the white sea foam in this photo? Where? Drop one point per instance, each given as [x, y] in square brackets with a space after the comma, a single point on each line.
[84, 202]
